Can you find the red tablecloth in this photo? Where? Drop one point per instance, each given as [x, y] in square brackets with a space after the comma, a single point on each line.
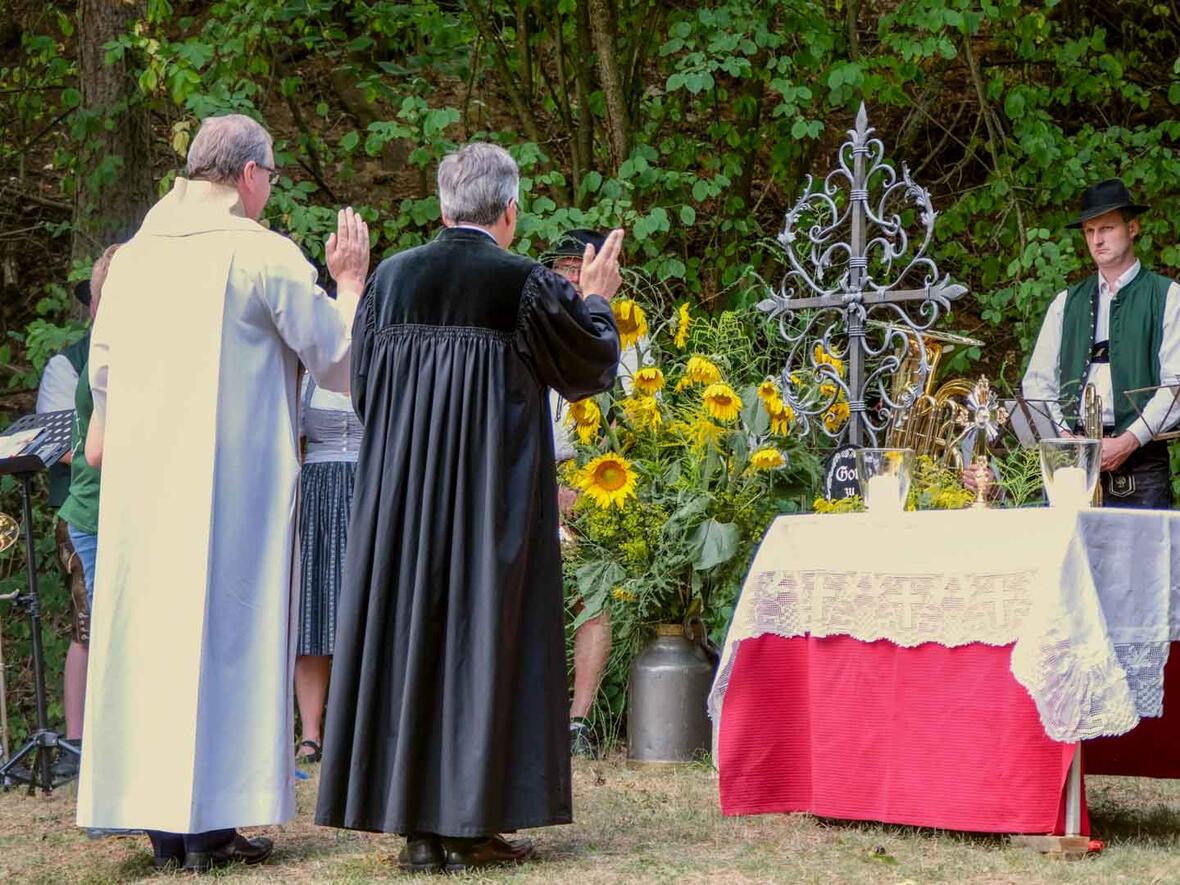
[926, 736]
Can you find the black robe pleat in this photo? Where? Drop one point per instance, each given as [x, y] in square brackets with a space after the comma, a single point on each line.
[448, 707]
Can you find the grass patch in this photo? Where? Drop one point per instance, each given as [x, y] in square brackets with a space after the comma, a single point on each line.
[640, 826]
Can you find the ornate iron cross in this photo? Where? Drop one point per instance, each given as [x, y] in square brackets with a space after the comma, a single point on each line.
[845, 294]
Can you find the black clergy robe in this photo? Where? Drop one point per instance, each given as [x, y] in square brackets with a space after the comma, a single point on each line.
[448, 710]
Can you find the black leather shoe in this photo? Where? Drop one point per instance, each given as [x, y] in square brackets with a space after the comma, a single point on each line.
[240, 850]
[494, 851]
[422, 854]
[582, 740]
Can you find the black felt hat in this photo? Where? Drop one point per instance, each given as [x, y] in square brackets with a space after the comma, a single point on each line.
[1106, 196]
[573, 243]
[82, 291]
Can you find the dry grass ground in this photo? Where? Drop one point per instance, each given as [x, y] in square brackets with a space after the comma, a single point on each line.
[643, 826]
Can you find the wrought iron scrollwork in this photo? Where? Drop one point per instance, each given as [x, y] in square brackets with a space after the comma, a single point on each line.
[850, 258]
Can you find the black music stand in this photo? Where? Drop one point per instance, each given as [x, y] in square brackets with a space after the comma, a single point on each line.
[40, 454]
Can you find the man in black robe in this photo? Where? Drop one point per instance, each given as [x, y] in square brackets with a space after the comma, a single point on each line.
[447, 720]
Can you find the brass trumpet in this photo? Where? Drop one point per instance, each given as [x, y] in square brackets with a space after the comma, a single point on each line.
[1092, 426]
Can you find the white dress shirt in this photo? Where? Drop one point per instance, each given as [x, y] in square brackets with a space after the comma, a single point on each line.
[59, 383]
[1042, 378]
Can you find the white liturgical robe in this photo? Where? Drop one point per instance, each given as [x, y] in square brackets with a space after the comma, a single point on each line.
[205, 318]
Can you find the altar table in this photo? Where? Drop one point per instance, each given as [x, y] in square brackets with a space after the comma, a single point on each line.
[941, 668]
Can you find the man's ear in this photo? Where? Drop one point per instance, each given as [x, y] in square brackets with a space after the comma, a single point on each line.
[1133, 227]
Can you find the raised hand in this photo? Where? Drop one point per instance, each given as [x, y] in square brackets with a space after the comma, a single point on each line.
[347, 251]
[600, 273]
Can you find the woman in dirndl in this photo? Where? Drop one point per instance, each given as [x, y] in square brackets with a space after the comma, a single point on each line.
[332, 435]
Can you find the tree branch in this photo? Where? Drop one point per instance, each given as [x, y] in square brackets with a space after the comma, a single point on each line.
[524, 113]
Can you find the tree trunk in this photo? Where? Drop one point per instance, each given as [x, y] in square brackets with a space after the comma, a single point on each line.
[603, 29]
[114, 182]
[585, 128]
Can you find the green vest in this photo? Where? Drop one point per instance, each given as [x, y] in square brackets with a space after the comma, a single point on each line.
[81, 505]
[59, 474]
[1136, 331]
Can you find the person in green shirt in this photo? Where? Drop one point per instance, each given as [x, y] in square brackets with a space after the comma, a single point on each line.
[79, 511]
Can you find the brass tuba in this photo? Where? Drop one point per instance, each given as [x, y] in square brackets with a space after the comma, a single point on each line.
[9, 531]
[929, 425]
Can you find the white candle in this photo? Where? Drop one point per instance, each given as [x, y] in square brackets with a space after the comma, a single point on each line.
[883, 492]
[1068, 488]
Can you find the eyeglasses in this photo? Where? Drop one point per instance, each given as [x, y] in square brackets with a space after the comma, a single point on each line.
[272, 175]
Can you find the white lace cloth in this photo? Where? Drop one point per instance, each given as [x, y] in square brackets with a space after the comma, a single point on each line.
[1089, 601]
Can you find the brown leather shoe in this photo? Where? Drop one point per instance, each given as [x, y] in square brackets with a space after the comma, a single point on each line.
[240, 850]
[492, 851]
[422, 854]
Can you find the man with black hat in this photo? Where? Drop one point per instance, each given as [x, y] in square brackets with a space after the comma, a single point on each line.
[1119, 330]
[592, 639]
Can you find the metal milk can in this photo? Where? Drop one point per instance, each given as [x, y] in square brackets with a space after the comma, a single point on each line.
[667, 719]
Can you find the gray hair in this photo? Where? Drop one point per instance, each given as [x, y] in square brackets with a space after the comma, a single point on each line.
[476, 183]
[223, 145]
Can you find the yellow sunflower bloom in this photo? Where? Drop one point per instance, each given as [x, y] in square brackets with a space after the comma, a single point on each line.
[683, 321]
[703, 432]
[631, 320]
[768, 390]
[608, 479]
[623, 595]
[722, 402]
[823, 356]
[649, 379]
[643, 412]
[781, 415]
[586, 418]
[767, 458]
[780, 424]
[836, 415]
[699, 371]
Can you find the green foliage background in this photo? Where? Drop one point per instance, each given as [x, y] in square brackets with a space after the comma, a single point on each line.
[1004, 109]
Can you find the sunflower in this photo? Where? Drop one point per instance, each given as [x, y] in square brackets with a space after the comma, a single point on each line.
[608, 479]
[767, 458]
[702, 432]
[722, 402]
[823, 356]
[683, 321]
[631, 320]
[623, 595]
[699, 371]
[781, 415]
[780, 424]
[643, 412]
[768, 390]
[586, 418]
[836, 414]
[649, 379]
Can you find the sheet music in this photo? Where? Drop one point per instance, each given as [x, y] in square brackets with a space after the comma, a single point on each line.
[1145, 395]
[1033, 420]
[14, 444]
[52, 441]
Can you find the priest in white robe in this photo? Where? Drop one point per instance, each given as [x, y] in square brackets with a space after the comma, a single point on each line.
[194, 362]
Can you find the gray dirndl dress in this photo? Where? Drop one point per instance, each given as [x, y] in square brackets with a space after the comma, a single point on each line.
[333, 436]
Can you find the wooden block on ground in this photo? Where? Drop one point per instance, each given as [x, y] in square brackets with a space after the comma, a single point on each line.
[1055, 846]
